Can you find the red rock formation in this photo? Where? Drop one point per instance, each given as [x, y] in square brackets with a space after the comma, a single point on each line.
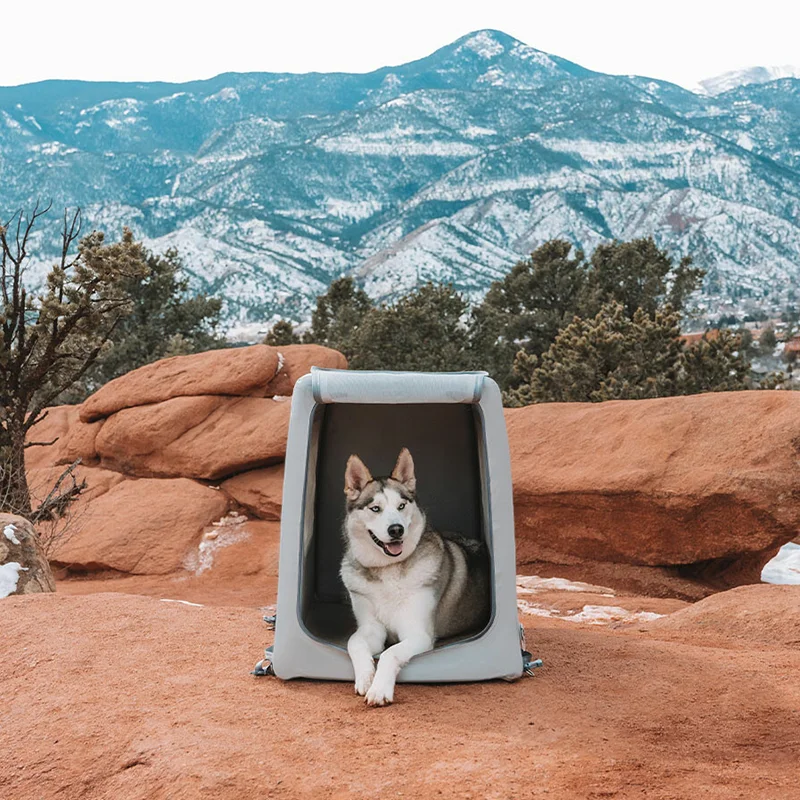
[706, 485]
[116, 696]
[23, 565]
[259, 491]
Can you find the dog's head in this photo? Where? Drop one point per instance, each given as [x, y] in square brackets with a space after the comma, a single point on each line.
[383, 523]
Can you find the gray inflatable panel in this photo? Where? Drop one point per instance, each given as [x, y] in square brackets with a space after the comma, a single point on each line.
[454, 427]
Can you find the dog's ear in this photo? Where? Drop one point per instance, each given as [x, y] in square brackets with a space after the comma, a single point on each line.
[356, 477]
[403, 471]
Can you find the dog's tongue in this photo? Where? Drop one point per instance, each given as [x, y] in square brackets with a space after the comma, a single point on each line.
[394, 548]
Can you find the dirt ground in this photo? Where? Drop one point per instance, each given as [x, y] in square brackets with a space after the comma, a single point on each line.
[116, 695]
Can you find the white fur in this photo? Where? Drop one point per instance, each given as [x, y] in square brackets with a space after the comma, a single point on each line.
[398, 602]
[361, 521]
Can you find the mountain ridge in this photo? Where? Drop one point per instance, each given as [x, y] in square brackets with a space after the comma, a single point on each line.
[450, 167]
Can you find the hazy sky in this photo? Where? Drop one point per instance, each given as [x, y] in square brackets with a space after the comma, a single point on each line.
[682, 41]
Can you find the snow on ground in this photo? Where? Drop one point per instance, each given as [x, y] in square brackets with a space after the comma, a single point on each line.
[531, 585]
[10, 533]
[184, 602]
[228, 530]
[589, 614]
[9, 575]
[785, 567]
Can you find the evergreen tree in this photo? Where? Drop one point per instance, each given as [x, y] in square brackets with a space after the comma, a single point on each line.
[542, 294]
[714, 364]
[338, 315]
[613, 357]
[607, 357]
[281, 333]
[640, 276]
[768, 341]
[49, 339]
[165, 319]
[422, 331]
[528, 307]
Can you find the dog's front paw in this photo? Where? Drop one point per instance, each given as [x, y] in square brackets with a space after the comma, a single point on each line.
[380, 694]
[364, 681]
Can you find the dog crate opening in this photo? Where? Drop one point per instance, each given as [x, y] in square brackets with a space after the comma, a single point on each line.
[446, 443]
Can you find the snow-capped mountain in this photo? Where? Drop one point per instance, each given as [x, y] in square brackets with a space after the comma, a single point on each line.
[742, 77]
[448, 168]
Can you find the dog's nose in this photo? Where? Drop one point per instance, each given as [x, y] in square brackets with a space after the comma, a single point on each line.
[396, 531]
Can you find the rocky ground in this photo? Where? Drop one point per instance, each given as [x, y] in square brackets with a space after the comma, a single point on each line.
[121, 696]
[634, 519]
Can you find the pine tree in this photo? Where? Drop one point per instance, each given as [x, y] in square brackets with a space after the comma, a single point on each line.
[165, 319]
[51, 338]
[423, 331]
[715, 364]
[614, 357]
[609, 356]
[639, 275]
[768, 341]
[528, 307]
[281, 333]
[338, 315]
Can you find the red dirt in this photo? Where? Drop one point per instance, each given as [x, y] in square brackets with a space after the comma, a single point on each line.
[117, 696]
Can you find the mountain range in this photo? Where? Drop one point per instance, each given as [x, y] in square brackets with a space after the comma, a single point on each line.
[449, 168]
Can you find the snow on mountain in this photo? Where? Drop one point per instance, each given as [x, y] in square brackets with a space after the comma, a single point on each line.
[447, 168]
[743, 77]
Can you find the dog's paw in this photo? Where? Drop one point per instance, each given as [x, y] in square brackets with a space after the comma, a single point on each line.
[364, 681]
[379, 695]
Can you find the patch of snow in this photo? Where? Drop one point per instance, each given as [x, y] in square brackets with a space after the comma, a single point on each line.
[353, 210]
[530, 584]
[785, 567]
[10, 121]
[527, 53]
[742, 77]
[281, 362]
[9, 577]
[169, 98]
[493, 76]
[183, 602]
[474, 131]
[602, 615]
[123, 105]
[225, 95]
[213, 541]
[483, 44]
[33, 121]
[590, 615]
[10, 533]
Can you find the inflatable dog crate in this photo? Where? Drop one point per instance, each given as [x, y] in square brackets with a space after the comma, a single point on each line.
[454, 427]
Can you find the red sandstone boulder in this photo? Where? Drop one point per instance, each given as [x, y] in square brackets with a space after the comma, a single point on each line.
[42, 480]
[144, 527]
[63, 439]
[255, 371]
[297, 359]
[23, 564]
[195, 437]
[233, 371]
[708, 484]
[766, 616]
[260, 491]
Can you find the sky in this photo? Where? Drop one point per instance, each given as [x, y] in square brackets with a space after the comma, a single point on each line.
[149, 40]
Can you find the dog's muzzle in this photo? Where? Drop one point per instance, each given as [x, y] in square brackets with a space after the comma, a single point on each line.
[393, 548]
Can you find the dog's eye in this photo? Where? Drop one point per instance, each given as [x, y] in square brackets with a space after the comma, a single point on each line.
[401, 506]
[376, 509]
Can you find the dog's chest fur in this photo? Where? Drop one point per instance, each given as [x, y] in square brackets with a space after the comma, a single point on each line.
[396, 590]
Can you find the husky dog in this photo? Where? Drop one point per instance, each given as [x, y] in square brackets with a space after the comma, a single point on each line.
[407, 583]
